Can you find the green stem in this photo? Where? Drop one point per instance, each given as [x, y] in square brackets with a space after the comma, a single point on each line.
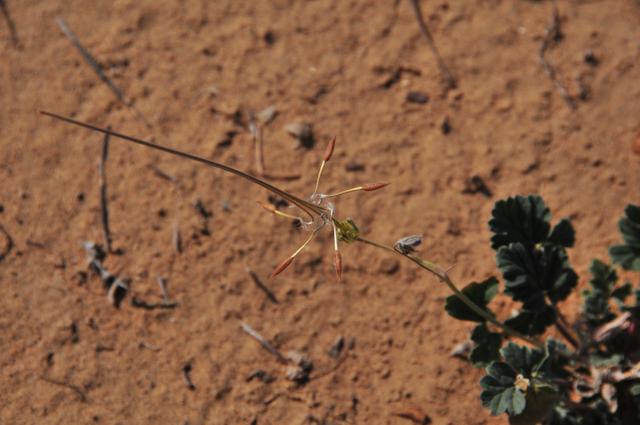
[444, 277]
[561, 324]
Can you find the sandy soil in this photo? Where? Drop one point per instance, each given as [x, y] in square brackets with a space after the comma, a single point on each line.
[68, 356]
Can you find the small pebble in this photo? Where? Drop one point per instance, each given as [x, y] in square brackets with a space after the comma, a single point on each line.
[303, 131]
[417, 97]
[354, 167]
[591, 59]
[301, 369]
[462, 350]
[475, 184]
[446, 126]
[336, 348]
[267, 115]
[269, 37]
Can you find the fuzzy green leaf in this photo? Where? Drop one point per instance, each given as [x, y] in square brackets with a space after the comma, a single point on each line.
[521, 359]
[487, 347]
[595, 307]
[499, 393]
[529, 273]
[532, 322]
[622, 292]
[563, 234]
[628, 255]
[480, 293]
[519, 219]
[634, 309]
[603, 277]
[555, 362]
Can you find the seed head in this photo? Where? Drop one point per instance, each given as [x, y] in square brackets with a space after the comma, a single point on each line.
[329, 151]
[281, 267]
[338, 264]
[374, 186]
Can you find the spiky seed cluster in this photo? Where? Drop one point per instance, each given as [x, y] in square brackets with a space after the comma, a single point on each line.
[344, 230]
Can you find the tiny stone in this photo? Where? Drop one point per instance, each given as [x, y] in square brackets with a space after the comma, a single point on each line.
[354, 167]
[591, 59]
[267, 115]
[475, 184]
[202, 210]
[303, 131]
[462, 350]
[301, 370]
[80, 198]
[337, 347]
[446, 126]
[417, 97]
[227, 141]
[269, 37]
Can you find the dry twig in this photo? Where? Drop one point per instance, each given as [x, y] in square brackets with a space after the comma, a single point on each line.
[8, 244]
[260, 284]
[81, 395]
[444, 69]
[98, 69]
[116, 288]
[104, 209]
[553, 35]
[265, 344]
[186, 371]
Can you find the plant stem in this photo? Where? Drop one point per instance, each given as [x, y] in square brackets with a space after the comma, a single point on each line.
[444, 277]
[306, 206]
[560, 324]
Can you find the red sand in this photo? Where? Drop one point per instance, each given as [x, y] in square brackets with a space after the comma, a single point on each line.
[187, 67]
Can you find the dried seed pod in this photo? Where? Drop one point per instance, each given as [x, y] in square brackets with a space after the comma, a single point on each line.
[281, 267]
[338, 264]
[408, 244]
[374, 186]
[330, 147]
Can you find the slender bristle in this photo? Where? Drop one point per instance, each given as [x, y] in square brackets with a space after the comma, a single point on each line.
[338, 264]
[329, 151]
[374, 186]
[286, 263]
[304, 205]
[267, 207]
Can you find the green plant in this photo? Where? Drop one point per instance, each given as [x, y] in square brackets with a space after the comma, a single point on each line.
[530, 384]
[595, 377]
